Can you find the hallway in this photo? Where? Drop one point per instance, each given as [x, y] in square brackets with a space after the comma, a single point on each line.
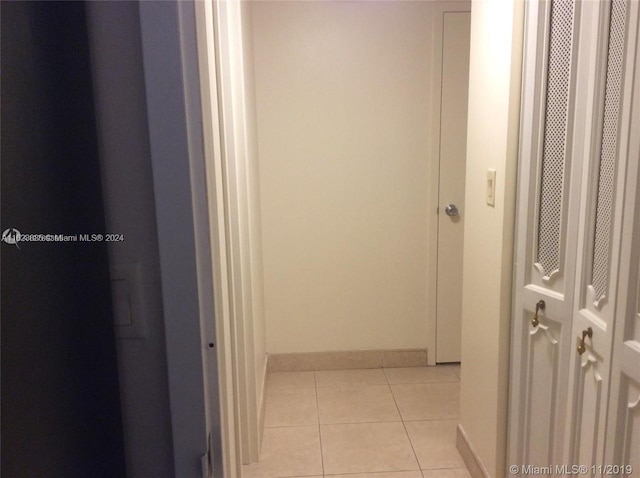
[376, 423]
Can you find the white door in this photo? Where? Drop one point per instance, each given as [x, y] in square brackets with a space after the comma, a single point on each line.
[547, 226]
[623, 421]
[453, 139]
[623, 424]
[575, 249]
[607, 26]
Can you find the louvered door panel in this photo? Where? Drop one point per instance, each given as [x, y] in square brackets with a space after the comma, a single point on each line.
[549, 184]
[578, 240]
[607, 25]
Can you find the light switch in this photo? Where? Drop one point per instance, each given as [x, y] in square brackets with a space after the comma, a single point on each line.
[121, 302]
[128, 301]
[491, 187]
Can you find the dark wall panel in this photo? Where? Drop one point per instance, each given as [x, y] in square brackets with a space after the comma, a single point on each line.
[60, 401]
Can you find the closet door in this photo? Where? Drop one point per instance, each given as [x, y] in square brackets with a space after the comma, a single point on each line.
[623, 420]
[546, 235]
[607, 108]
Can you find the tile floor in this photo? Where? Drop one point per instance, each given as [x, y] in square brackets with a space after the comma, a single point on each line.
[374, 423]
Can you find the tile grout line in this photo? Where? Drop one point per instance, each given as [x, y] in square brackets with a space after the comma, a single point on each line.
[346, 423]
[432, 419]
[415, 455]
[315, 382]
[279, 389]
[383, 472]
[304, 426]
[369, 473]
[365, 473]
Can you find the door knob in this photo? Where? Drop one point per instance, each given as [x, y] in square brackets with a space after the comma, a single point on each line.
[585, 334]
[539, 306]
[451, 210]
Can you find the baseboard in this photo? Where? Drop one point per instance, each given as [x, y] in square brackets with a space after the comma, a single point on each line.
[261, 404]
[469, 455]
[343, 360]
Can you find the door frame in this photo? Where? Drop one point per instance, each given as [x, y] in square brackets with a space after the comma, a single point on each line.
[439, 9]
[188, 168]
[191, 246]
[230, 341]
[223, 30]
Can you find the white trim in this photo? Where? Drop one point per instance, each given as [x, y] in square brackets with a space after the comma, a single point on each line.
[347, 359]
[216, 200]
[263, 398]
[470, 455]
[233, 133]
[170, 57]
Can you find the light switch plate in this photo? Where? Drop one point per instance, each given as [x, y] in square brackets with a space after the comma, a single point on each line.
[128, 303]
[121, 297]
[491, 187]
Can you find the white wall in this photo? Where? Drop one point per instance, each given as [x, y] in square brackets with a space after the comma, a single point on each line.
[492, 142]
[125, 157]
[342, 92]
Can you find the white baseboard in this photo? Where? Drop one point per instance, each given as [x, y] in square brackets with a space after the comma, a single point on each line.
[467, 451]
[342, 360]
[262, 401]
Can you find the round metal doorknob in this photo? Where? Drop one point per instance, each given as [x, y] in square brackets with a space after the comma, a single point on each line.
[451, 210]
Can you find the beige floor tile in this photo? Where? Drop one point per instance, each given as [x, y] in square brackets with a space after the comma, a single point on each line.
[291, 380]
[366, 447]
[291, 407]
[435, 443]
[292, 451]
[457, 369]
[336, 378]
[440, 373]
[444, 473]
[388, 474]
[427, 401]
[357, 404]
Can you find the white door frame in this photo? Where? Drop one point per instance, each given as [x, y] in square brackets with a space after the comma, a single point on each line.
[221, 43]
[215, 170]
[439, 9]
[185, 155]
[225, 40]
[179, 37]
